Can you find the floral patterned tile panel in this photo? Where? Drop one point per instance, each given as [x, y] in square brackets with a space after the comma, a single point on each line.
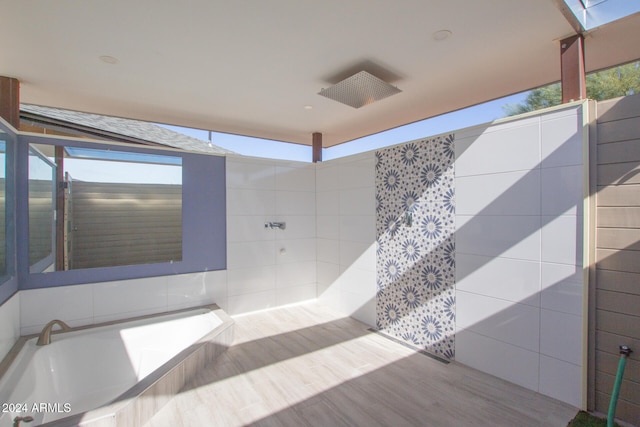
[415, 224]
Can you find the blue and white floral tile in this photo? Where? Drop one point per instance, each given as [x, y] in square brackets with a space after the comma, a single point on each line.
[415, 248]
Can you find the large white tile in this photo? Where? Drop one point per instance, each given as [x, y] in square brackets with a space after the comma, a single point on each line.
[216, 283]
[562, 288]
[357, 174]
[561, 380]
[507, 236]
[360, 201]
[327, 178]
[251, 254]
[511, 363]
[128, 298]
[562, 240]
[251, 202]
[561, 142]
[359, 306]
[562, 190]
[328, 203]
[328, 226]
[358, 254]
[509, 322]
[501, 150]
[257, 175]
[295, 203]
[9, 324]
[251, 280]
[295, 274]
[510, 193]
[358, 281]
[327, 273]
[561, 336]
[251, 302]
[67, 303]
[364, 311]
[295, 250]
[505, 278]
[247, 228]
[358, 228]
[298, 227]
[195, 289]
[296, 179]
[328, 250]
[295, 294]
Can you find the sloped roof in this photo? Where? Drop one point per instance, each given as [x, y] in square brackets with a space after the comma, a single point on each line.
[115, 126]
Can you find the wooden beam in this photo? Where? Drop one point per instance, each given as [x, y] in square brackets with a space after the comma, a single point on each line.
[573, 80]
[10, 100]
[317, 147]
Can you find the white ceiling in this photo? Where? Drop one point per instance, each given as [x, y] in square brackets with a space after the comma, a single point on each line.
[251, 66]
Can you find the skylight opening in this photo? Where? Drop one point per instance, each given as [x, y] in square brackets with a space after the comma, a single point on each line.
[595, 13]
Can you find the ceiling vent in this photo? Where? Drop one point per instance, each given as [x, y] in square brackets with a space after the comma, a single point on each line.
[359, 90]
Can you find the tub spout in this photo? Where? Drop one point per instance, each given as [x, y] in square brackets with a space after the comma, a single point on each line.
[45, 336]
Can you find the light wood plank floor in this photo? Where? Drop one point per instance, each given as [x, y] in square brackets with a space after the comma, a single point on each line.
[307, 366]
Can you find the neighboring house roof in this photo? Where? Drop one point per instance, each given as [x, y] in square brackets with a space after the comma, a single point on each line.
[117, 128]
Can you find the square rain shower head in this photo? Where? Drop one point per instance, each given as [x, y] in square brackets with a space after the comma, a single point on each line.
[360, 89]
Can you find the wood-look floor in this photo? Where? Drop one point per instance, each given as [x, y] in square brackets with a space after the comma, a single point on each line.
[307, 366]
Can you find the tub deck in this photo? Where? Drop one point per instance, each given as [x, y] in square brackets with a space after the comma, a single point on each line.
[307, 366]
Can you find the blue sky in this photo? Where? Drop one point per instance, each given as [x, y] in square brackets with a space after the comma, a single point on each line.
[471, 116]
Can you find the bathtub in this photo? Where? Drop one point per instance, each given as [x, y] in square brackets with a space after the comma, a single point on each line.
[119, 373]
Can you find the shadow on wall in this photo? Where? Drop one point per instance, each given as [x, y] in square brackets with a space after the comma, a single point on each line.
[498, 225]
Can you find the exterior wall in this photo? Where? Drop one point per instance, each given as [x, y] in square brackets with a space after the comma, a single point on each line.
[270, 267]
[617, 284]
[346, 234]
[519, 274]
[141, 222]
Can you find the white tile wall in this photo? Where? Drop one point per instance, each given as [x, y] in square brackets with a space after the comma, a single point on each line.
[511, 279]
[562, 288]
[100, 302]
[561, 380]
[9, 324]
[503, 360]
[519, 251]
[345, 204]
[506, 193]
[561, 138]
[509, 236]
[562, 190]
[263, 263]
[514, 324]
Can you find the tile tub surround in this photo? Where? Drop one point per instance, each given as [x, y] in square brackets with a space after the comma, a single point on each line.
[138, 405]
[91, 303]
[415, 274]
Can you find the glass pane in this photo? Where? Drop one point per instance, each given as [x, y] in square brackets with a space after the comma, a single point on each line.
[41, 212]
[120, 208]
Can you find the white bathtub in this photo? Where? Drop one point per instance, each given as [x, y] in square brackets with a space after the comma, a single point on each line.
[85, 369]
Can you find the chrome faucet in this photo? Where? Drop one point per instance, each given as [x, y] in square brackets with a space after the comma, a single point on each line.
[45, 336]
